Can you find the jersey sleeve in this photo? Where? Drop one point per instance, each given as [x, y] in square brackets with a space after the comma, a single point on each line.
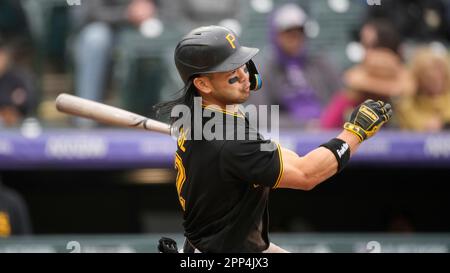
[246, 161]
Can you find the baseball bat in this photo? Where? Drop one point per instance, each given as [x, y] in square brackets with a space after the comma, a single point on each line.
[107, 114]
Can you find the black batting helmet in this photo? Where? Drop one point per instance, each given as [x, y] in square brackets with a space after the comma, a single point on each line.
[214, 49]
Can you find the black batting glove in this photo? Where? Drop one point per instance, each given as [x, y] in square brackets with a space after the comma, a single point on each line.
[368, 118]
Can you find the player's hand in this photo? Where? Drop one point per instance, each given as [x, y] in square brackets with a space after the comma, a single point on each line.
[368, 118]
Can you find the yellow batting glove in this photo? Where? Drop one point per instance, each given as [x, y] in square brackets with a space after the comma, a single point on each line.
[368, 118]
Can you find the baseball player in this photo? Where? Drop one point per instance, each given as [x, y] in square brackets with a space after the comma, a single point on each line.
[223, 185]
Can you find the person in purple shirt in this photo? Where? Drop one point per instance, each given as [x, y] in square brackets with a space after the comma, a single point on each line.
[300, 83]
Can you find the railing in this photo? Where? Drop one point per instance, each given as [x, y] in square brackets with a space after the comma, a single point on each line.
[108, 149]
[294, 242]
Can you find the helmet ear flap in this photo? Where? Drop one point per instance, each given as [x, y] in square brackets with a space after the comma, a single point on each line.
[255, 78]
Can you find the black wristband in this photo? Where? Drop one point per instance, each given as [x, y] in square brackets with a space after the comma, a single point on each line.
[341, 151]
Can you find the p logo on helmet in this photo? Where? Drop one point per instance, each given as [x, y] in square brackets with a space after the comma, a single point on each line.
[230, 38]
[213, 49]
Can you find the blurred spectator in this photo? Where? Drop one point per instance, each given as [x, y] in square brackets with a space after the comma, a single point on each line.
[16, 91]
[381, 75]
[429, 109]
[300, 83]
[14, 217]
[188, 14]
[417, 20]
[98, 22]
[380, 33]
[13, 23]
[14, 28]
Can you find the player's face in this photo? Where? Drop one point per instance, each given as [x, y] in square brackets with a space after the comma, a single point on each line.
[232, 87]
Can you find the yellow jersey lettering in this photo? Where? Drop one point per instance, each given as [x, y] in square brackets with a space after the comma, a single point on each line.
[181, 140]
[181, 178]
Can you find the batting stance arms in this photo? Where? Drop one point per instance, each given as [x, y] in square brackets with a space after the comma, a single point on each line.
[318, 165]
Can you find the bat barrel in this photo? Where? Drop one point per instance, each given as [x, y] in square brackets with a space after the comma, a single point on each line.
[107, 114]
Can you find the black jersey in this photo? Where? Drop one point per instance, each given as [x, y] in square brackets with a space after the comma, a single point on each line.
[223, 186]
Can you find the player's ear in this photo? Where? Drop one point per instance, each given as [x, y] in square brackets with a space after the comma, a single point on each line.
[203, 84]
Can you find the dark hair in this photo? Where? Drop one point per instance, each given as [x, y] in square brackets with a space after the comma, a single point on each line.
[186, 97]
[387, 34]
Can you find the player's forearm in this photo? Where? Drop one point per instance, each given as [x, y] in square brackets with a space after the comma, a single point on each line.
[321, 163]
[315, 167]
[306, 172]
[351, 139]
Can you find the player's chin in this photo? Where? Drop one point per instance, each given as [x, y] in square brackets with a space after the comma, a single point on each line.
[243, 97]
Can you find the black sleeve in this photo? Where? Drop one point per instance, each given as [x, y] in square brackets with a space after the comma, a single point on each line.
[245, 161]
